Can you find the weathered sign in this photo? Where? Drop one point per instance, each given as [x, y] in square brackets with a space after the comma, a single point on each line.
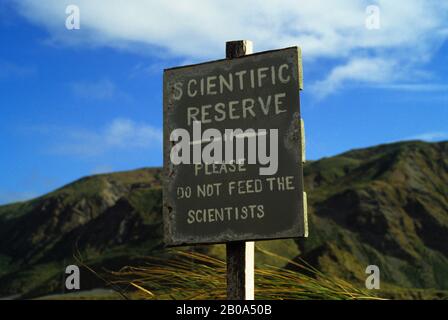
[233, 150]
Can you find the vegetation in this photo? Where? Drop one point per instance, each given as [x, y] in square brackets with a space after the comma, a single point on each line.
[384, 205]
[190, 275]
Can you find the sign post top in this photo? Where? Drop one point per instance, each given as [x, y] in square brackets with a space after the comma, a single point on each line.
[239, 48]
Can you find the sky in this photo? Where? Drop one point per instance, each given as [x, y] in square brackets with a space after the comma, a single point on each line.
[76, 102]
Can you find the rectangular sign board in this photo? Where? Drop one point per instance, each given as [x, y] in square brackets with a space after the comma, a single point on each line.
[233, 158]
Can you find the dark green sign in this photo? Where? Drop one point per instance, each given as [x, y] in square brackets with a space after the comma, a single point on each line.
[233, 150]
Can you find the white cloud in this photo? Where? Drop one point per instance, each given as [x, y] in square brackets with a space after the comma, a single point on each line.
[11, 70]
[418, 87]
[429, 136]
[411, 31]
[119, 135]
[359, 70]
[141, 69]
[103, 89]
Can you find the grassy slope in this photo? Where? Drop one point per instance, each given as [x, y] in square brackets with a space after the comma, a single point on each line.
[107, 221]
[384, 205]
[110, 219]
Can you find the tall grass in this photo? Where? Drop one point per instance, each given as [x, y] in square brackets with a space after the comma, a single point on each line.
[191, 275]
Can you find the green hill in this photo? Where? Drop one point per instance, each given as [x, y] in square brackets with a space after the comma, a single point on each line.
[108, 220]
[385, 205]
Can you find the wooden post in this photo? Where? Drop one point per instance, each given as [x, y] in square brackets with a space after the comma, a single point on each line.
[240, 254]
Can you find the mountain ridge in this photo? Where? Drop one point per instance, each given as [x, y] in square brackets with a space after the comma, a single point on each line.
[384, 205]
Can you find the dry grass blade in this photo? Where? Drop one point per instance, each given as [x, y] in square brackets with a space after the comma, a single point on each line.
[192, 275]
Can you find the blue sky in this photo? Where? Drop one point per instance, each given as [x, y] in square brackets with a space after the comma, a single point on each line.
[78, 102]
